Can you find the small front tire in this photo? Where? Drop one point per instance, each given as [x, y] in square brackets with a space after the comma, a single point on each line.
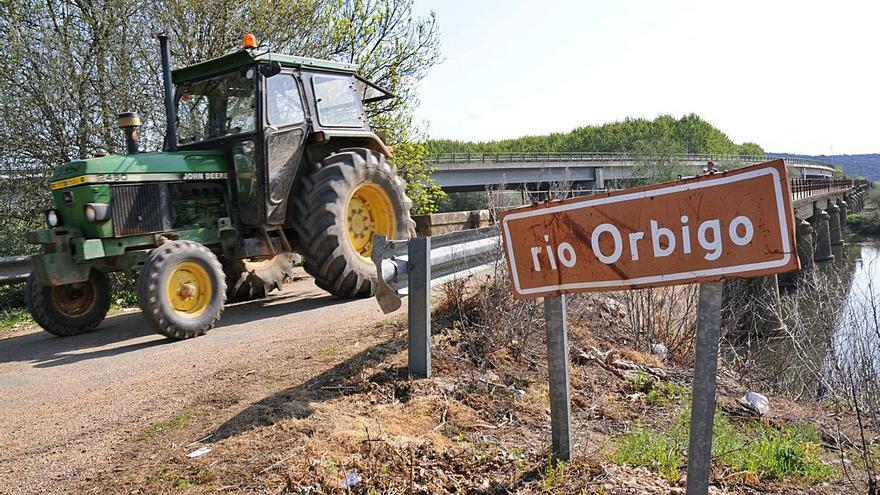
[72, 309]
[182, 289]
[247, 280]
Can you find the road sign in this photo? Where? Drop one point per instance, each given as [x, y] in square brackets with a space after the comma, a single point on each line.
[735, 224]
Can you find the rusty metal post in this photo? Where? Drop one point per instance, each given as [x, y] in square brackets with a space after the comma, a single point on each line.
[557, 369]
[699, 458]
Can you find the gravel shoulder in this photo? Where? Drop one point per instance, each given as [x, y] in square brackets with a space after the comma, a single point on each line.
[68, 406]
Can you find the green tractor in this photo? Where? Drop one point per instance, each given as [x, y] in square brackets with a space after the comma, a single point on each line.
[265, 156]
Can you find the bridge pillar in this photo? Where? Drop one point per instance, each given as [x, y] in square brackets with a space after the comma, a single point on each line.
[599, 182]
[770, 317]
[843, 206]
[819, 221]
[805, 235]
[834, 223]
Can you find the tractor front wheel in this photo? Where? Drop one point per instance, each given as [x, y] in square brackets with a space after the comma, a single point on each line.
[182, 289]
[353, 196]
[247, 280]
[70, 309]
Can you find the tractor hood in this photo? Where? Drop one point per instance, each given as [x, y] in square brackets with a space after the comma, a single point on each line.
[142, 167]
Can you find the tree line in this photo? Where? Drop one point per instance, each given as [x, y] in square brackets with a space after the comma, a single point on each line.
[665, 135]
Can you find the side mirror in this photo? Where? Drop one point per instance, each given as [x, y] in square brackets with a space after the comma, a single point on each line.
[270, 69]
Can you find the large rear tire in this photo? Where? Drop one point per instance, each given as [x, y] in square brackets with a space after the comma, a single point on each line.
[353, 196]
[182, 289]
[247, 280]
[71, 309]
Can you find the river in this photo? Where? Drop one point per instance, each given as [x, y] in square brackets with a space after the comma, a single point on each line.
[832, 334]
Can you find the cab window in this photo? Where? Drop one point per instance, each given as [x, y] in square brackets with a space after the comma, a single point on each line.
[338, 101]
[284, 102]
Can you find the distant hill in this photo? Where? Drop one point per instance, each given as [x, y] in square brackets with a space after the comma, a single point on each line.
[867, 166]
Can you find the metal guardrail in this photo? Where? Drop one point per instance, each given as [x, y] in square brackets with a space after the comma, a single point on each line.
[14, 269]
[490, 158]
[413, 267]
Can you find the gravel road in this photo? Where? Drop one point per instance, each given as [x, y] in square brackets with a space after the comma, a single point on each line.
[68, 404]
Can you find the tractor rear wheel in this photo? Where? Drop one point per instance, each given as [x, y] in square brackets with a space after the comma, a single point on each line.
[247, 280]
[353, 196]
[71, 309]
[182, 289]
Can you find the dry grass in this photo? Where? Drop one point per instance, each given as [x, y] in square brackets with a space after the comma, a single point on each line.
[480, 425]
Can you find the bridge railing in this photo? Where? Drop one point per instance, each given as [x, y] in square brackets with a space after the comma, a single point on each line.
[490, 158]
[812, 186]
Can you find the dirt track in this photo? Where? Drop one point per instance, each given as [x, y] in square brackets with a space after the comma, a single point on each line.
[67, 405]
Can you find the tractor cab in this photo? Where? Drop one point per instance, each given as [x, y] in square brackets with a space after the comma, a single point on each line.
[266, 112]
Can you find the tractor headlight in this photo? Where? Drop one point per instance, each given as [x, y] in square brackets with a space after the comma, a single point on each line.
[96, 212]
[53, 219]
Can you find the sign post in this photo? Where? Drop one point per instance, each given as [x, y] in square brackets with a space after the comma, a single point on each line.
[557, 367]
[699, 230]
[703, 402]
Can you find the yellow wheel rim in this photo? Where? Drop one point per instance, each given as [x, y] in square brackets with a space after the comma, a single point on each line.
[189, 289]
[369, 213]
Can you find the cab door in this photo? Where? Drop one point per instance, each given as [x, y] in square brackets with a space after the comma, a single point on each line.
[285, 132]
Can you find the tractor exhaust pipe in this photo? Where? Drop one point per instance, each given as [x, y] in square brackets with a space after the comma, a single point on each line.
[170, 113]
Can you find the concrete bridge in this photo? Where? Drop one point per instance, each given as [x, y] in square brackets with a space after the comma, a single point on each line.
[463, 172]
[820, 207]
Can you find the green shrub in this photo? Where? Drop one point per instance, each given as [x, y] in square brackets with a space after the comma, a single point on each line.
[867, 223]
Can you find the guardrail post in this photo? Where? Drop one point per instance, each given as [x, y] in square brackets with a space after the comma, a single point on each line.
[419, 306]
[557, 368]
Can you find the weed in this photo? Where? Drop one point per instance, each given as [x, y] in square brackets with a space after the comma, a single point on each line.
[766, 452]
[328, 350]
[181, 483]
[657, 393]
[385, 324]
[645, 447]
[666, 393]
[641, 382]
[167, 475]
[14, 318]
[206, 475]
[161, 427]
[776, 453]
[553, 476]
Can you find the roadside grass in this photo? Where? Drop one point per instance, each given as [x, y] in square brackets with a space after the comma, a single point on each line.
[175, 422]
[752, 450]
[13, 318]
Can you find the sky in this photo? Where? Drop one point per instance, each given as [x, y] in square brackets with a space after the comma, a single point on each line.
[795, 77]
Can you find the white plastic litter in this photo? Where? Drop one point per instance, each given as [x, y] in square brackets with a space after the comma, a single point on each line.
[660, 350]
[756, 402]
[198, 452]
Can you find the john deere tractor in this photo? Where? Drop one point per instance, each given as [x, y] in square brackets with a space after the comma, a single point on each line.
[265, 155]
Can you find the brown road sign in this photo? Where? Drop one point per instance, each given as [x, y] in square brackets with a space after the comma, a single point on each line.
[736, 224]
